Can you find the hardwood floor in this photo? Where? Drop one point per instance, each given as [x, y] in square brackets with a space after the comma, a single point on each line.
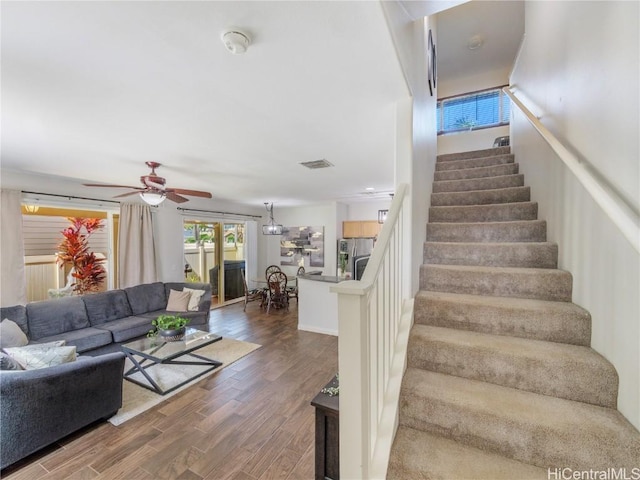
[252, 420]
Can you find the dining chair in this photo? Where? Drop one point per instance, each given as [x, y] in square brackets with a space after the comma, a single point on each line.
[253, 294]
[278, 297]
[270, 269]
[292, 291]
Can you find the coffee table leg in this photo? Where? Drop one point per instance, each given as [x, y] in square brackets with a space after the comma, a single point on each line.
[138, 367]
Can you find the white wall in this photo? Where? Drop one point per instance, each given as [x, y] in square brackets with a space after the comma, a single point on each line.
[578, 71]
[324, 215]
[415, 126]
[473, 140]
[476, 139]
[367, 210]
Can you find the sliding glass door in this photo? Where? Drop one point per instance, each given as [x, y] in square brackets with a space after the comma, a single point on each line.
[207, 245]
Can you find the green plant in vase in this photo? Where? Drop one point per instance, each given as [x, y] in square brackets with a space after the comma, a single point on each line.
[169, 327]
[343, 264]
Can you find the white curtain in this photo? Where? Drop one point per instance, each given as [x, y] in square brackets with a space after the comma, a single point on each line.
[136, 248]
[251, 250]
[13, 283]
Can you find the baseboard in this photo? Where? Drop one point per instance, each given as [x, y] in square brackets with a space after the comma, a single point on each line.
[318, 330]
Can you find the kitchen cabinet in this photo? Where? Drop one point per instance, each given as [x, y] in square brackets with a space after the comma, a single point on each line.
[360, 228]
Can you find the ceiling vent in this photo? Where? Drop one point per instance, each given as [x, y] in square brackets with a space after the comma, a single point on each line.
[314, 164]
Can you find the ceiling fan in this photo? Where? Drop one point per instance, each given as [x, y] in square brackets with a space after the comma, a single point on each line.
[153, 190]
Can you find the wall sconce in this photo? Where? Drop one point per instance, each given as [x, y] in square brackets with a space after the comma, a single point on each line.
[272, 228]
[31, 208]
[382, 215]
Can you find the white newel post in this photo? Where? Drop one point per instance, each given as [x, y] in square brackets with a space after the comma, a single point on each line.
[353, 364]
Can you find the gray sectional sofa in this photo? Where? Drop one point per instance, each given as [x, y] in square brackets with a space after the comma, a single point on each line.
[39, 407]
[94, 320]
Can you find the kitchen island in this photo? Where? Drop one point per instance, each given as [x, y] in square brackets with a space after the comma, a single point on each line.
[317, 305]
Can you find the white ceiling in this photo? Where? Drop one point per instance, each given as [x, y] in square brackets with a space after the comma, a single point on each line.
[92, 90]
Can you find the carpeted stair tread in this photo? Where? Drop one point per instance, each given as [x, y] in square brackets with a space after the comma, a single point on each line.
[482, 197]
[477, 172]
[474, 162]
[502, 212]
[562, 322]
[536, 283]
[421, 455]
[516, 254]
[537, 429]
[514, 231]
[564, 371]
[484, 183]
[487, 152]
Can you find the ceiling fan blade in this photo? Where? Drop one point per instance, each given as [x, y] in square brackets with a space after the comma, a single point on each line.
[109, 186]
[193, 193]
[128, 193]
[176, 198]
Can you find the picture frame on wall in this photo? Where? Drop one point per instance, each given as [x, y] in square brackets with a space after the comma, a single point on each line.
[431, 64]
[300, 243]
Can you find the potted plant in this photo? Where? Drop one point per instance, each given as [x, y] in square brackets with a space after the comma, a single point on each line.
[342, 270]
[87, 270]
[170, 327]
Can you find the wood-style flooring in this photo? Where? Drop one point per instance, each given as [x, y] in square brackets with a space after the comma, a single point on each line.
[250, 421]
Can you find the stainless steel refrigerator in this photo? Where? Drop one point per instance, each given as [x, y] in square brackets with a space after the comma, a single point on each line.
[354, 254]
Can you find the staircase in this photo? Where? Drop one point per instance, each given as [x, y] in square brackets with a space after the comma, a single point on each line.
[501, 382]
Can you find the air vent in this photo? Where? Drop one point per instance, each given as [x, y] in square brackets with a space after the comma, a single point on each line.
[313, 164]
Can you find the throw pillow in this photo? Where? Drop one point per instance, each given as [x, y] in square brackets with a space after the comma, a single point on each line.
[33, 357]
[11, 335]
[196, 295]
[8, 363]
[178, 301]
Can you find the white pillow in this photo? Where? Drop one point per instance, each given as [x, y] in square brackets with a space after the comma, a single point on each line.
[196, 295]
[33, 357]
[178, 301]
[11, 335]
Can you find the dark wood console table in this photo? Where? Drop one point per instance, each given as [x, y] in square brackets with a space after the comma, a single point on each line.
[327, 434]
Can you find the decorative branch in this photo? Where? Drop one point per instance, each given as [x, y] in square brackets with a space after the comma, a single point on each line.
[89, 271]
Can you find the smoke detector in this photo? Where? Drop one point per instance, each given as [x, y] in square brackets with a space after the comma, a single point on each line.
[235, 41]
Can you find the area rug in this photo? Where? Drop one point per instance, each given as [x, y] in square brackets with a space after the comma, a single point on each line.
[136, 399]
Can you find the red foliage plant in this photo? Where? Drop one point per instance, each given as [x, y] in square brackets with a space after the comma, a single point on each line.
[89, 271]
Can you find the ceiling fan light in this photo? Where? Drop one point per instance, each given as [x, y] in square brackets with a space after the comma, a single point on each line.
[153, 198]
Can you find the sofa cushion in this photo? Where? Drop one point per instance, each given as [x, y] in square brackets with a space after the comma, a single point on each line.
[204, 303]
[83, 339]
[18, 314]
[11, 335]
[178, 301]
[53, 317]
[146, 298]
[8, 363]
[196, 318]
[125, 329]
[194, 301]
[34, 357]
[106, 306]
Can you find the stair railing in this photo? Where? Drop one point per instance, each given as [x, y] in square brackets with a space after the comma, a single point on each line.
[624, 216]
[373, 324]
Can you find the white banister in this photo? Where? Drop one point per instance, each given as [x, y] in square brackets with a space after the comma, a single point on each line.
[614, 206]
[373, 325]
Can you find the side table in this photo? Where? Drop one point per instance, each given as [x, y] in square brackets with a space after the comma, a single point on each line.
[327, 434]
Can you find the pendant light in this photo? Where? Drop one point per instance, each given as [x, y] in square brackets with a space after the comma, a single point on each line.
[272, 228]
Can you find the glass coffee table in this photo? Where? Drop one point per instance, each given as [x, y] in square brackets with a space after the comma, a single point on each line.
[154, 353]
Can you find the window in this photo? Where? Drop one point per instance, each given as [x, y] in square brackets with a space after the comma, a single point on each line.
[472, 111]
